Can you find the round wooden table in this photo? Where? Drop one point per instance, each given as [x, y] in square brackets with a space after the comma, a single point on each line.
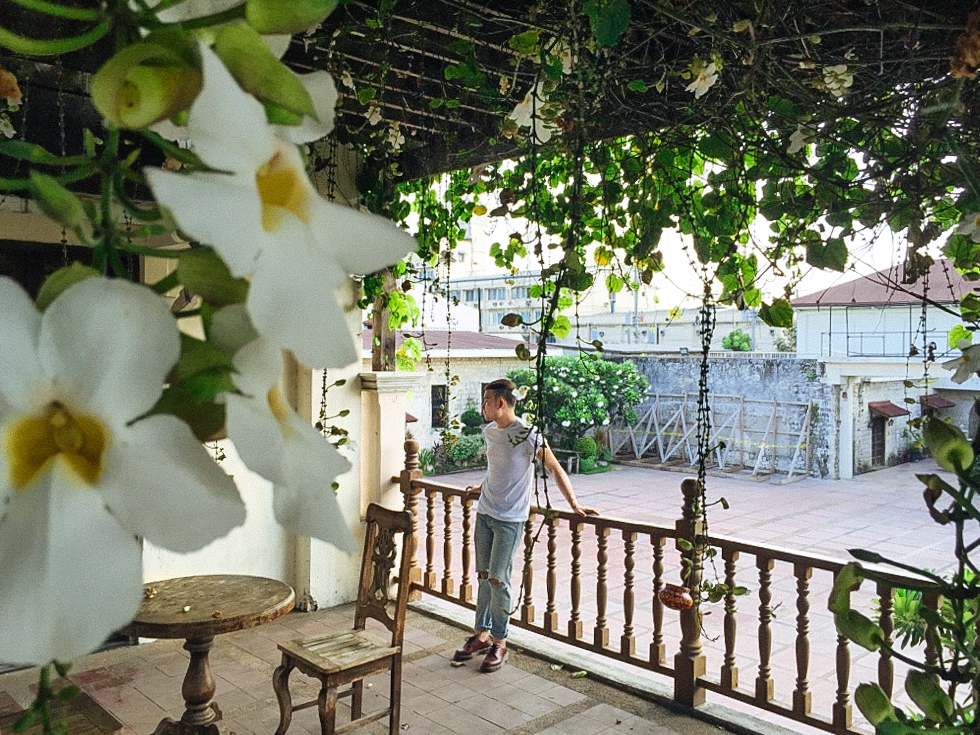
[198, 609]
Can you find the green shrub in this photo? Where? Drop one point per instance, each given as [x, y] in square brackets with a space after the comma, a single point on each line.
[586, 446]
[472, 421]
[586, 464]
[737, 340]
[580, 394]
[466, 449]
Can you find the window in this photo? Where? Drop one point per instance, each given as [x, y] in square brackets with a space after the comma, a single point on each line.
[496, 294]
[440, 407]
[519, 292]
[878, 441]
[470, 294]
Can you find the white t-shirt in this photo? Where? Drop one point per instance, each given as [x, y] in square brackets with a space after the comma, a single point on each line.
[507, 485]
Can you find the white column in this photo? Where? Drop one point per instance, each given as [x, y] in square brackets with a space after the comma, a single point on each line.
[383, 396]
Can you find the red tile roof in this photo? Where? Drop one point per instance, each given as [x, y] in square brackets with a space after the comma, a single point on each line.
[433, 339]
[934, 400]
[887, 409]
[945, 286]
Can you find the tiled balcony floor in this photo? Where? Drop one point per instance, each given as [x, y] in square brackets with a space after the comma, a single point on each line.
[141, 685]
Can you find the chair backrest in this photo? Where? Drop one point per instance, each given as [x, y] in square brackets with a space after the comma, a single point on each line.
[385, 584]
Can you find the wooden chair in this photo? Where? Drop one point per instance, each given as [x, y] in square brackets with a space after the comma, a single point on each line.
[348, 657]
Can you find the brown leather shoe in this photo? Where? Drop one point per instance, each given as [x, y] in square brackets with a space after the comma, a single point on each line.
[472, 647]
[494, 659]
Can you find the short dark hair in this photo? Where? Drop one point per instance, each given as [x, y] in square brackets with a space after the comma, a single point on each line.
[502, 388]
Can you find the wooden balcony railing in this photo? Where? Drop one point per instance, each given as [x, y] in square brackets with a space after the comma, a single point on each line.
[594, 583]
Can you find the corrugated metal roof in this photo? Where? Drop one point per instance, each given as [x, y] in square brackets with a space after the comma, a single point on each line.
[887, 409]
[943, 285]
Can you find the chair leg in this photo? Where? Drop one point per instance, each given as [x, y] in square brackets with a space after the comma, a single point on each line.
[395, 702]
[328, 710]
[356, 700]
[280, 683]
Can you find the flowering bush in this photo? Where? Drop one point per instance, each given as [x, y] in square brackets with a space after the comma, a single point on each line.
[580, 394]
[104, 402]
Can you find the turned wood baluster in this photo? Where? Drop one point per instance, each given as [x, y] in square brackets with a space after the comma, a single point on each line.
[551, 578]
[842, 705]
[763, 682]
[690, 663]
[527, 609]
[447, 544]
[430, 540]
[627, 644]
[801, 695]
[575, 587]
[465, 586]
[886, 667]
[729, 670]
[601, 632]
[658, 650]
[410, 494]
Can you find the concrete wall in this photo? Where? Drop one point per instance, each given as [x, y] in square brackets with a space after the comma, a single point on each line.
[760, 379]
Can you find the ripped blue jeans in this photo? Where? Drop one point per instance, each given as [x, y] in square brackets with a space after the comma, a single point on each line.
[496, 545]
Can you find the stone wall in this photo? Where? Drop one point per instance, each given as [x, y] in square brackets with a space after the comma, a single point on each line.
[784, 379]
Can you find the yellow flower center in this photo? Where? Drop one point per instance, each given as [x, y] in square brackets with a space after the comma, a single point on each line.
[282, 188]
[33, 442]
[280, 410]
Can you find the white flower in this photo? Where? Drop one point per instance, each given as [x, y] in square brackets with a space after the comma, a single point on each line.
[275, 442]
[395, 138]
[801, 137]
[970, 226]
[837, 79]
[705, 76]
[374, 116]
[966, 365]
[6, 127]
[268, 223]
[566, 423]
[82, 475]
[347, 80]
[527, 114]
[521, 393]
[605, 422]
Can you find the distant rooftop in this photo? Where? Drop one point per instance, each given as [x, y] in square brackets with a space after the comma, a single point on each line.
[943, 284]
[440, 339]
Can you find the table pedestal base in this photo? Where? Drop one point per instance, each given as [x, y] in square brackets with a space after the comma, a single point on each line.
[168, 726]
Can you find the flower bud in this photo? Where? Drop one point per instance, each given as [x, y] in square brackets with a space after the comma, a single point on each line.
[928, 696]
[259, 72]
[874, 704]
[275, 16]
[148, 81]
[948, 445]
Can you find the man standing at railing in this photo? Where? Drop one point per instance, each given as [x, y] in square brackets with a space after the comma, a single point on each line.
[503, 508]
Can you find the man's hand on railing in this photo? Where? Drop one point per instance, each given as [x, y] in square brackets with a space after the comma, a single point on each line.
[583, 511]
[473, 491]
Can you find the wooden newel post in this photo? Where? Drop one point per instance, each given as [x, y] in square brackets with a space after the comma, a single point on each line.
[410, 492]
[689, 662]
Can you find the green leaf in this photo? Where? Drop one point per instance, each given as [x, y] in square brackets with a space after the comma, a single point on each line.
[525, 43]
[561, 327]
[948, 445]
[205, 418]
[777, 314]
[204, 273]
[366, 94]
[637, 85]
[611, 21]
[833, 255]
[958, 334]
[61, 280]
[197, 356]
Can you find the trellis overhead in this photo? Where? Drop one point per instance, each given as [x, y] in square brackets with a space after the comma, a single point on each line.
[449, 71]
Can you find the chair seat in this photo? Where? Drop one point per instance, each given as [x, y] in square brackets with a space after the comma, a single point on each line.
[336, 652]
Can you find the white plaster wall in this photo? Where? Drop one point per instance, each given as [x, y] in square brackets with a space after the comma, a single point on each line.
[823, 331]
[257, 547]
